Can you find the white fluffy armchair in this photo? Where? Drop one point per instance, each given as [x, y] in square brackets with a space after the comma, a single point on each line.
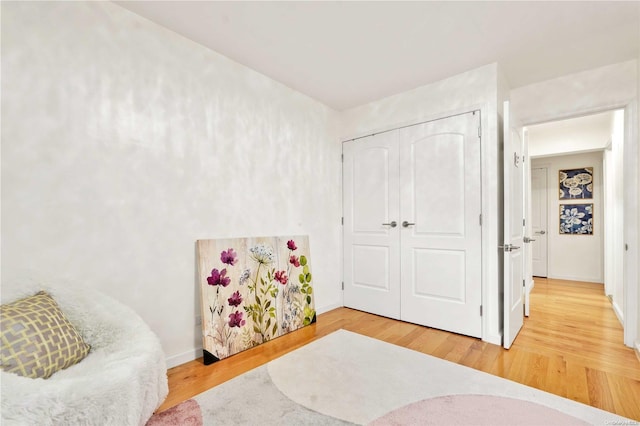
[121, 382]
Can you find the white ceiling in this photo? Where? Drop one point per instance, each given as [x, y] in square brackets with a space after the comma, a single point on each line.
[346, 54]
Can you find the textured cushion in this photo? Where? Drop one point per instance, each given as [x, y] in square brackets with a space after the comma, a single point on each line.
[37, 339]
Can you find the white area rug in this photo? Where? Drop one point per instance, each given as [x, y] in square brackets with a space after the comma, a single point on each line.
[347, 378]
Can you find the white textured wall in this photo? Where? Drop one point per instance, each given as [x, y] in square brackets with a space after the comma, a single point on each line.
[475, 89]
[123, 143]
[574, 257]
[577, 94]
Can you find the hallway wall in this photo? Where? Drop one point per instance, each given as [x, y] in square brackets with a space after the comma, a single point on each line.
[574, 257]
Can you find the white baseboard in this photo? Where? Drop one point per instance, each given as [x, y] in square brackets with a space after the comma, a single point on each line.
[618, 312]
[637, 348]
[574, 278]
[495, 339]
[176, 360]
[327, 308]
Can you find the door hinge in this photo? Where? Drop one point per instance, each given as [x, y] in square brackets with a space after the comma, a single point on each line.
[523, 222]
[480, 219]
[343, 285]
[479, 131]
[342, 220]
[342, 157]
[480, 310]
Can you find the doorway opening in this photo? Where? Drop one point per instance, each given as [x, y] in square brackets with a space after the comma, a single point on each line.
[577, 201]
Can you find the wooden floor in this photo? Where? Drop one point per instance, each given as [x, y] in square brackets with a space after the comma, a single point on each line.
[570, 345]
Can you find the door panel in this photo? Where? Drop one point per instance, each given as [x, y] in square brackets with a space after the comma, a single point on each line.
[433, 267]
[435, 159]
[513, 246]
[539, 221]
[441, 242]
[371, 248]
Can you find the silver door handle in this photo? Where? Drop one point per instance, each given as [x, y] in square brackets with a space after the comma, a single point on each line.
[509, 247]
[541, 232]
[392, 224]
[528, 240]
[406, 224]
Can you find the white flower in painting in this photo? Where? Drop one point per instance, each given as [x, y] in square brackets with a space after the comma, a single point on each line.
[565, 228]
[572, 216]
[563, 176]
[589, 209]
[575, 191]
[587, 227]
[561, 193]
[262, 253]
[590, 187]
[570, 183]
[583, 178]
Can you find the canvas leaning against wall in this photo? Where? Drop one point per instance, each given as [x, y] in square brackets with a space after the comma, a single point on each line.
[252, 290]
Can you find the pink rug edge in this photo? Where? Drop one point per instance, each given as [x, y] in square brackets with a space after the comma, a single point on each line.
[187, 413]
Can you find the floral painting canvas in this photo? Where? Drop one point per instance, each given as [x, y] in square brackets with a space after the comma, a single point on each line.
[576, 183]
[253, 290]
[576, 219]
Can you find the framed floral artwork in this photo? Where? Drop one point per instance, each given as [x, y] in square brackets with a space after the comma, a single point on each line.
[576, 219]
[252, 290]
[576, 183]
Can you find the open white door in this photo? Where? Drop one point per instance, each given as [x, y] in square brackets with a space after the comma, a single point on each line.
[514, 178]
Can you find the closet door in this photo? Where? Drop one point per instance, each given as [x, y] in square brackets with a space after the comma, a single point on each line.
[371, 228]
[440, 224]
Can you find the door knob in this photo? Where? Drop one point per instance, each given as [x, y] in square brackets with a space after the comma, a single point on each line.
[392, 224]
[406, 224]
[527, 239]
[541, 232]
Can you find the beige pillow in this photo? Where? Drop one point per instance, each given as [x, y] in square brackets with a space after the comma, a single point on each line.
[37, 339]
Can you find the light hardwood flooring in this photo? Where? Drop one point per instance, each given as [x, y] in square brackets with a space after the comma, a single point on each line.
[570, 345]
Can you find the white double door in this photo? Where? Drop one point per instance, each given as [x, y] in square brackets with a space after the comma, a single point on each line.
[412, 226]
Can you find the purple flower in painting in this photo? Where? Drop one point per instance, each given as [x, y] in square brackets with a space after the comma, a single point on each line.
[219, 278]
[235, 299]
[228, 257]
[291, 245]
[235, 319]
[294, 260]
[281, 277]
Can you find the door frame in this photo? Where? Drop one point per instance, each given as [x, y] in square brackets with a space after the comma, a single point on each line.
[630, 208]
